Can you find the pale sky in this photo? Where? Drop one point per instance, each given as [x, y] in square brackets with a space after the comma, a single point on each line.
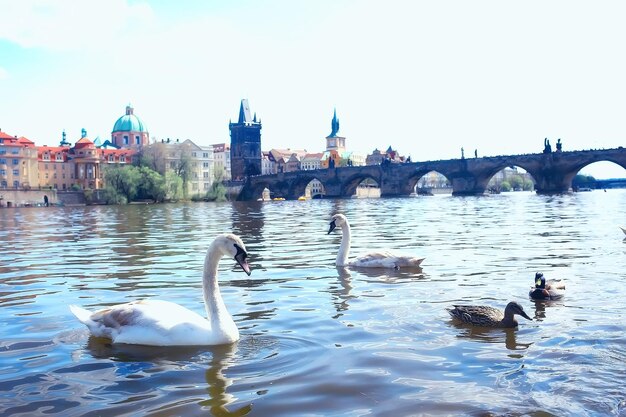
[426, 77]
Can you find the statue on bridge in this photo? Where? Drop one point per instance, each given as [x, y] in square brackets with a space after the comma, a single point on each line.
[558, 145]
[546, 146]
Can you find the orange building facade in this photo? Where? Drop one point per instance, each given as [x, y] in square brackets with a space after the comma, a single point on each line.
[26, 166]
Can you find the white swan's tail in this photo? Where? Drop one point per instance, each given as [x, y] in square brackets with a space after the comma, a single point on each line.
[81, 314]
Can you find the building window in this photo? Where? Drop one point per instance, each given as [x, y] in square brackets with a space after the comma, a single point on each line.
[194, 155]
[137, 140]
[207, 185]
[111, 159]
[205, 175]
[4, 184]
[16, 184]
[3, 161]
[205, 155]
[125, 140]
[16, 162]
[122, 158]
[3, 151]
[16, 172]
[205, 165]
[46, 157]
[3, 172]
[59, 157]
[15, 151]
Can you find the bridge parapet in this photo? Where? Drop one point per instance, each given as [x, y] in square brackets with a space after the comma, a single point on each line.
[552, 172]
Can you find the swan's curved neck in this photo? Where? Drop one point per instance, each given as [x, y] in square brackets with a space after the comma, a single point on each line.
[215, 307]
[344, 248]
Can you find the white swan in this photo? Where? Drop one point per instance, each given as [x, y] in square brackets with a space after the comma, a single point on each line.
[162, 323]
[376, 259]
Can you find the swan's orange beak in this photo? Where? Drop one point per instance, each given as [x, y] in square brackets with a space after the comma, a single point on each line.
[331, 227]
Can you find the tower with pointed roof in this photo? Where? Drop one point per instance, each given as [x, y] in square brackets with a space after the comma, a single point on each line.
[245, 144]
[333, 141]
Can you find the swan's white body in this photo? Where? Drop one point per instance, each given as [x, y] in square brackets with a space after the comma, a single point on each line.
[163, 323]
[374, 259]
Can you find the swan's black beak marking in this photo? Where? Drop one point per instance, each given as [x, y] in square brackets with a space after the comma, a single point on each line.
[332, 227]
[240, 257]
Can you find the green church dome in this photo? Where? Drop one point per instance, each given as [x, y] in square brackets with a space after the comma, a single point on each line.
[129, 123]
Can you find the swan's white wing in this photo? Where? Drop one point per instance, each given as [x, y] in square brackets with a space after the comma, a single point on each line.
[149, 322]
[386, 259]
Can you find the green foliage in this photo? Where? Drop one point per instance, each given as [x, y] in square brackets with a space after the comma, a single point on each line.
[583, 181]
[173, 186]
[122, 182]
[516, 182]
[218, 190]
[152, 184]
[529, 185]
[505, 186]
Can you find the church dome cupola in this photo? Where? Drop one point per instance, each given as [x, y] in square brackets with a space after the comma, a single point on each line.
[129, 122]
[129, 131]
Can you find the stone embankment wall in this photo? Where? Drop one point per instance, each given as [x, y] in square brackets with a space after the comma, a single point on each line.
[30, 198]
[37, 198]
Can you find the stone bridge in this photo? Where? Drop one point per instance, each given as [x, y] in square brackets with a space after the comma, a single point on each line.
[552, 172]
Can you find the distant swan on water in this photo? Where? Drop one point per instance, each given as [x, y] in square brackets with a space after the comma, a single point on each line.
[163, 323]
[374, 259]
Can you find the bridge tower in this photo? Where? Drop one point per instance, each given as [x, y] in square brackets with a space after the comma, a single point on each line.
[245, 144]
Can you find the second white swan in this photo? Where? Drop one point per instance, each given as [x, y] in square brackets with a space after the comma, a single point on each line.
[374, 259]
[163, 323]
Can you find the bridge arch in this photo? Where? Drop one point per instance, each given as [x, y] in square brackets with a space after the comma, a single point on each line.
[255, 191]
[351, 184]
[424, 181]
[299, 185]
[509, 177]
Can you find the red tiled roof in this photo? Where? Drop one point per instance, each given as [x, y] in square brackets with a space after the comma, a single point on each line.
[25, 141]
[5, 136]
[84, 143]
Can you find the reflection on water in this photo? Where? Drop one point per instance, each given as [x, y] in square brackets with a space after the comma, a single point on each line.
[316, 339]
[506, 336]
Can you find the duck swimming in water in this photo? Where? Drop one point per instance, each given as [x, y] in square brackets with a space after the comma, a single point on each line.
[546, 290]
[485, 316]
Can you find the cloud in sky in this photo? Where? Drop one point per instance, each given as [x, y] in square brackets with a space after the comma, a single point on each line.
[424, 77]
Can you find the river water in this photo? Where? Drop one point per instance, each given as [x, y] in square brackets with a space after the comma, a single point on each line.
[317, 340]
